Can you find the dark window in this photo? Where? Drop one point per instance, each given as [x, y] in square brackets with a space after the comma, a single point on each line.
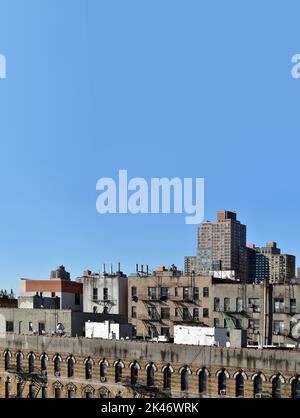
[133, 312]
[167, 378]
[7, 388]
[103, 371]
[103, 393]
[70, 367]
[185, 293]
[196, 314]
[118, 372]
[150, 375]
[31, 391]
[105, 293]
[7, 360]
[19, 359]
[105, 310]
[165, 331]
[77, 299]
[216, 322]
[165, 313]
[30, 327]
[276, 387]
[185, 378]
[239, 385]
[202, 381]
[44, 392]
[257, 385]
[95, 293]
[205, 292]
[57, 392]
[293, 306]
[9, 326]
[296, 388]
[222, 383]
[31, 363]
[239, 323]
[176, 291]
[53, 294]
[152, 292]
[196, 293]
[71, 392]
[164, 292]
[134, 373]
[88, 368]
[216, 304]
[20, 387]
[226, 304]
[133, 291]
[185, 314]
[41, 326]
[95, 309]
[44, 362]
[57, 364]
[205, 313]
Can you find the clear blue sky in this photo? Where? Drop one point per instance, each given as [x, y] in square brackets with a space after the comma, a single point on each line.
[160, 88]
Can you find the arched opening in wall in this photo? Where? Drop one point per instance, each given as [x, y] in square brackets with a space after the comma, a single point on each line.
[19, 361]
[20, 387]
[44, 362]
[257, 385]
[57, 364]
[103, 370]
[31, 358]
[71, 390]
[222, 382]
[88, 368]
[88, 392]
[118, 371]
[239, 384]
[203, 378]
[57, 390]
[276, 387]
[70, 366]
[167, 377]
[7, 356]
[103, 393]
[134, 372]
[295, 383]
[184, 378]
[7, 387]
[150, 374]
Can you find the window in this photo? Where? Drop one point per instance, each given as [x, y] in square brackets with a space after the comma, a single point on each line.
[276, 387]
[205, 313]
[44, 362]
[296, 387]
[88, 368]
[31, 391]
[133, 312]
[53, 294]
[165, 331]
[279, 305]
[118, 372]
[150, 374]
[7, 360]
[20, 387]
[254, 303]
[216, 322]
[95, 309]
[278, 327]
[103, 393]
[31, 363]
[152, 292]
[41, 327]
[239, 305]
[257, 384]
[226, 323]
[167, 378]
[105, 310]
[95, 293]
[222, 380]
[57, 391]
[239, 385]
[176, 291]
[71, 391]
[152, 312]
[164, 292]
[7, 388]
[165, 313]
[185, 314]
[70, 367]
[57, 364]
[77, 299]
[217, 304]
[196, 314]
[19, 359]
[134, 373]
[133, 291]
[30, 327]
[185, 379]
[9, 326]
[253, 324]
[103, 371]
[185, 293]
[226, 304]
[293, 306]
[239, 324]
[196, 293]
[205, 292]
[202, 381]
[105, 293]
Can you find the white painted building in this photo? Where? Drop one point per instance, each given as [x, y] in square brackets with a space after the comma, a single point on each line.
[106, 293]
[195, 335]
[107, 330]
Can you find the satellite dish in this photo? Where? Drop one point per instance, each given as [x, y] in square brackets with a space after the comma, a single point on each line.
[60, 328]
